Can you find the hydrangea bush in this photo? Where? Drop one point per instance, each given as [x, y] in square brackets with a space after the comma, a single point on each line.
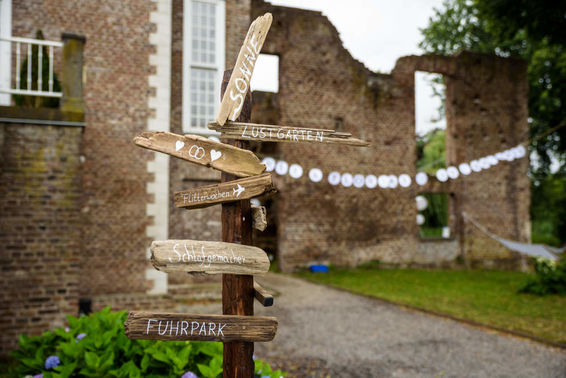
[96, 346]
[550, 277]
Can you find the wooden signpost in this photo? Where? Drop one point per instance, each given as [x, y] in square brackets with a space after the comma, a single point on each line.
[234, 257]
[203, 151]
[166, 326]
[231, 191]
[208, 257]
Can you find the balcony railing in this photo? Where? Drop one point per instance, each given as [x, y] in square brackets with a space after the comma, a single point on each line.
[34, 84]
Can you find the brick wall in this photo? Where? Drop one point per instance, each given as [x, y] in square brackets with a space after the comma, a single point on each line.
[40, 192]
[321, 85]
[486, 112]
[487, 100]
[116, 67]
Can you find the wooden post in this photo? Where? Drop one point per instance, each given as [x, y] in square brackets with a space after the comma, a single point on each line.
[237, 290]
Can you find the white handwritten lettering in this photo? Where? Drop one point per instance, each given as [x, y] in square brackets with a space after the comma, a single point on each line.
[293, 135]
[181, 328]
[149, 325]
[202, 258]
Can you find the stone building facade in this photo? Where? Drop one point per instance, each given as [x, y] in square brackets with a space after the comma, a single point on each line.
[79, 203]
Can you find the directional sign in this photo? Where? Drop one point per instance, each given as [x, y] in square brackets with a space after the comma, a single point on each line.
[225, 192]
[208, 257]
[274, 133]
[226, 328]
[203, 151]
[239, 84]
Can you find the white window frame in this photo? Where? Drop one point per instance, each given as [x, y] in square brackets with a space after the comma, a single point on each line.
[188, 64]
[5, 50]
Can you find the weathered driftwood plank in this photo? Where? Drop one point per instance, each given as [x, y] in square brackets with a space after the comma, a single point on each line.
[203, 151]
[289, 134]
[238, 86]
[226, 328]
[262, 295]
[225, 192]
[259, 217]
[208, 257]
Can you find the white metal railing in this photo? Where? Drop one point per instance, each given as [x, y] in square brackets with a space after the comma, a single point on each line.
[19, 43]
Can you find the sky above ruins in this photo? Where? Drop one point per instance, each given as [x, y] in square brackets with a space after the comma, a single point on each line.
[377, 33]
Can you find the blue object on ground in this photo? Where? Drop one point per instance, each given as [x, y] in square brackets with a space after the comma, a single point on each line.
[319, 269]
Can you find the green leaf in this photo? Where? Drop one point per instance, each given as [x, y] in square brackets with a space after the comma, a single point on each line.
[160, 356]
[107, 361]
[206, 371]
[66, 370]
[145, 363]
[92, 360]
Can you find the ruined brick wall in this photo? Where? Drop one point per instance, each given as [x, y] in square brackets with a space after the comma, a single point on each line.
[40, 244]
[200, 224]
[488, 111]
[322, 86]
[116, 66]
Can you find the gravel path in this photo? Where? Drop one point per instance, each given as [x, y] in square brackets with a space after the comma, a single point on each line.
[326, 332]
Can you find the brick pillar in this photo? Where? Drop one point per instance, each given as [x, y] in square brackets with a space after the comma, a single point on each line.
[72, 103]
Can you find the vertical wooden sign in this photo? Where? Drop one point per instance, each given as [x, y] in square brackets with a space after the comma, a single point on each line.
[234, 96]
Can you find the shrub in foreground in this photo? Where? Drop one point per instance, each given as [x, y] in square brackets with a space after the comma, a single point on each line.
[96, 346]
[550, 278]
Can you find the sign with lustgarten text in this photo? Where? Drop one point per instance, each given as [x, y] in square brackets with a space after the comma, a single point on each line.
[274, 133]
[193, 256]
[226, 328]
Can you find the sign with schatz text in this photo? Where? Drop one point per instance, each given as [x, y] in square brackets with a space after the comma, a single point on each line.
[209, 257]
[203, 151]
[225, 328]
[230, 191]
[239, 84]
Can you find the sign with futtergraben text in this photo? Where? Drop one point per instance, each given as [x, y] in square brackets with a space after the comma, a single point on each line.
[230, 191]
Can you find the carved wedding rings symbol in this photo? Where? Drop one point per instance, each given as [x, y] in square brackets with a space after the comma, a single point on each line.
[196, 152]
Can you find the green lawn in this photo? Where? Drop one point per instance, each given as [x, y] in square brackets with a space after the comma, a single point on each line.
[488, 297]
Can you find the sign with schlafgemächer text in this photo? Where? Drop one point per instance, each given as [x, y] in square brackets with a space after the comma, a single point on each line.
[203, 151]
[194, 256]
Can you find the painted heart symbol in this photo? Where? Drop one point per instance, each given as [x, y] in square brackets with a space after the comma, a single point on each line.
[214, 155]
[179, 145]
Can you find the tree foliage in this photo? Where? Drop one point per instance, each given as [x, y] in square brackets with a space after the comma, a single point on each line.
[431, 151]
[532, 30]
[548, 210]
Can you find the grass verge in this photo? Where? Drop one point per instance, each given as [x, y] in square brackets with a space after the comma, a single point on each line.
[488, 297]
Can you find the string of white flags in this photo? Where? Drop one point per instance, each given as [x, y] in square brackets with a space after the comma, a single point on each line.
[388, 181]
